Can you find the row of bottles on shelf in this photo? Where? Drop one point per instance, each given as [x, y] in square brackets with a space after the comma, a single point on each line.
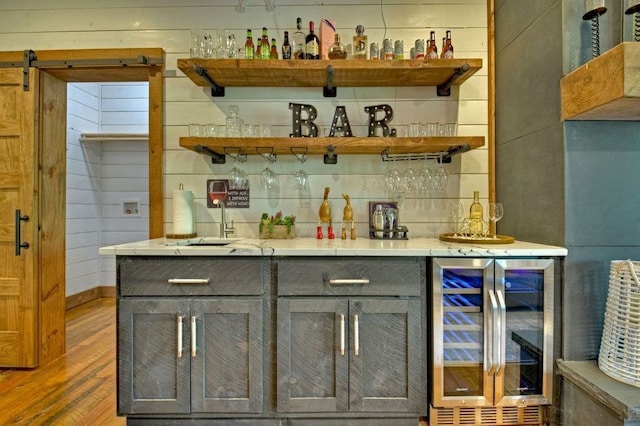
[308, 46]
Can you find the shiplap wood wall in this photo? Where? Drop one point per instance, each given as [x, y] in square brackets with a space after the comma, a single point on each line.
[73, 24]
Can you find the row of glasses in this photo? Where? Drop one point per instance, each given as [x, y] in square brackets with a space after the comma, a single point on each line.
[414, 130]
[216, 44]
[247, 130]
[427, 178]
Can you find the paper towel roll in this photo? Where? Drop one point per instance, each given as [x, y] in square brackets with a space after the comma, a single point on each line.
[183, 212]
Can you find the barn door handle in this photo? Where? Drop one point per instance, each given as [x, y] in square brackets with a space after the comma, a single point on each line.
[19, 243]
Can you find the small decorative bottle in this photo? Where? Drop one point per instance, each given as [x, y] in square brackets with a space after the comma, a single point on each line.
[337, 50]
[360, 43]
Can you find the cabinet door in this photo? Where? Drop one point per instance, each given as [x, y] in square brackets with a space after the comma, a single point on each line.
[153, 373]
[312, 355]
[226, 357]
[385, 355]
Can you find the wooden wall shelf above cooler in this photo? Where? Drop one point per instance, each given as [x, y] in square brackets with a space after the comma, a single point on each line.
[329, 74]
[330, 147]
[605, 88]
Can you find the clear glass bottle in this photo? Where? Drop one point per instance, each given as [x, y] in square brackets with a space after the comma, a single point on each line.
[299, 41]
[234, 122]
[313, 43]
[476, 221]
[360, 43]
[286, 47]
[248, 46]
[432, 49]
[337, 50]
[265, 51]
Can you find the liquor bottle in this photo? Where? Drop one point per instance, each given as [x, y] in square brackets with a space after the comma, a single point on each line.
[312, 50]
[447, 51]
[360, 44]
[248, 46]
[258, 54]
[337, 50]
[444, 47]
[264, 45]
[286, 47]
[476, 223]
[299, 41]
[432, 49]
[273, 54]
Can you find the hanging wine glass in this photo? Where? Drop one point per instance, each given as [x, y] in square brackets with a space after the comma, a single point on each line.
[392, 177]
[441, 177]
[238, 178]
[268, 177]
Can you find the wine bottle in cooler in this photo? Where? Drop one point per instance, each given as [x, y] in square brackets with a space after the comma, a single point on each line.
[312, 43]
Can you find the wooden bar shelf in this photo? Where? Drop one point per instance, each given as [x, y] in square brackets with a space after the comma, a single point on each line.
[605, 88]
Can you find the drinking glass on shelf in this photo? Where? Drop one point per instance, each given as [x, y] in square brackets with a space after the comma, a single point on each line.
[495, 211]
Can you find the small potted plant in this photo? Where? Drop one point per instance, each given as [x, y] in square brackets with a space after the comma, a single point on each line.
[277, 226]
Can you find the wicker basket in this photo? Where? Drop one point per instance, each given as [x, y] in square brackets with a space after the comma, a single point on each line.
[278, 232]
[620, 346]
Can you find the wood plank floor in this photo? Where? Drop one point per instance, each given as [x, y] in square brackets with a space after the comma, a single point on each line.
[78, 388]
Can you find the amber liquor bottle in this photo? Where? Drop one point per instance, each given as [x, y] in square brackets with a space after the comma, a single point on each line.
[360, 44]
[312, 44]
[248, 46]
[447, 49]
[432, 49]
[264, 45]
[273, 53]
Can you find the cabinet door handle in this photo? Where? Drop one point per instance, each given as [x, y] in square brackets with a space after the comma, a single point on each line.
[19, 244]
[342, 334]
[188, 280]
[492, 329]
[356, 336]
[180, 318]
[502, 327]
[194, 346]
[349, 281]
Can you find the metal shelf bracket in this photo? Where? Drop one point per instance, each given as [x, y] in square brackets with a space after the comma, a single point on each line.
[215, 157]
[441, 157]
[329, 91]
[331, 157]
[444, 89]
[216, 91]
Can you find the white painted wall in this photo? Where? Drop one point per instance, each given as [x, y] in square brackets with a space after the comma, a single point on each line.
[101, 176]
[73, 24]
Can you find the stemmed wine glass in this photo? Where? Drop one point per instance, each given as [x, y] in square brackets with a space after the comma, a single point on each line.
[495, 212]
[268, 177]
[456, 212]
[392, 178]
[238, 178]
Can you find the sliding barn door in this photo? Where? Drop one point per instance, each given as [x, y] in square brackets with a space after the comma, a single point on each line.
[18, 177]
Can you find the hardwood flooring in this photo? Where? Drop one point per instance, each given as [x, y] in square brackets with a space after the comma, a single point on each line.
[78, 388]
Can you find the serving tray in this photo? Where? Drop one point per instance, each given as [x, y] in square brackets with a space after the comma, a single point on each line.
[499, 239]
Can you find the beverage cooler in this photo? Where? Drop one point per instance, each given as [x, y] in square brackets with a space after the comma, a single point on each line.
[492, 342]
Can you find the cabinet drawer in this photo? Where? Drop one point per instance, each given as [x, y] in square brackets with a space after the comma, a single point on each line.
[187, 276]
[351, 276]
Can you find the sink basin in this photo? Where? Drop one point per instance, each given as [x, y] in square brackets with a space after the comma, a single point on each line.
[204, 241]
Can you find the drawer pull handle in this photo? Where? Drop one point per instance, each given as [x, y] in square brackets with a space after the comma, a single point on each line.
[352, 281]
[188, 280]
[341, 334]
[180, 317]
[356, 336]
[194, 346]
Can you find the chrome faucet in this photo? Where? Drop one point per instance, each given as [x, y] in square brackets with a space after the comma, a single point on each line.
[225, 230]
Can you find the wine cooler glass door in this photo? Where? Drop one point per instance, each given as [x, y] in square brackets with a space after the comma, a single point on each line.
[461, 359]
[524, 293]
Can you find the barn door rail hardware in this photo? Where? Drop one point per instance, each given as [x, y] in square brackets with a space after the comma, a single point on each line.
[216, 90]
[30, 60]
[444, 89]
[329, 91]
[215, 157]
[441, 156]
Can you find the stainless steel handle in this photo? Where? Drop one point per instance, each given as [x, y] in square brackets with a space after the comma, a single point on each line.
[342, 334]
[501, 340]
[194, 346]
[361, 281]
[492, 330]
[19, 244]
[356, 336]
[188, 280]
[180, 318]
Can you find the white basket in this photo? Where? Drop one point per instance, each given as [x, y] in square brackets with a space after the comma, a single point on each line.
[620, 346]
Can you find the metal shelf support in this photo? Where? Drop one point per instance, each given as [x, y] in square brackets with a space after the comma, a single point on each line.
[216, 91]
[329, 91]
[444, 89]
[215, 157]
[330, 157]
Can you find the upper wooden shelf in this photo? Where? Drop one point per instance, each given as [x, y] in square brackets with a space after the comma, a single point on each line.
[605, 88]
[314, 73]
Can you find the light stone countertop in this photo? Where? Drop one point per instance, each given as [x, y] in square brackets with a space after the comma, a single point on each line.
[431, 247]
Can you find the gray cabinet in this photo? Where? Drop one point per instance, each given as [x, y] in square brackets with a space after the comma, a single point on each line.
[344, 343]
[190, 354]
